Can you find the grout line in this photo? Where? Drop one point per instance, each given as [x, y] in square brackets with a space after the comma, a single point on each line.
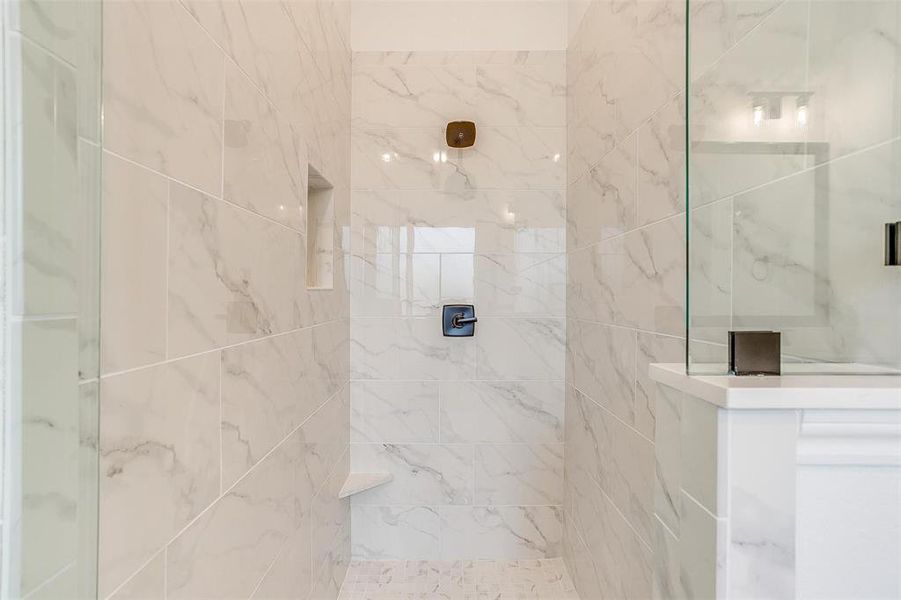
[220, 348]
[210, 195]
[609, 412]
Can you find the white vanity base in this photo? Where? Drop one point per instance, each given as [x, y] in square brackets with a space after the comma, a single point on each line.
[777, 487]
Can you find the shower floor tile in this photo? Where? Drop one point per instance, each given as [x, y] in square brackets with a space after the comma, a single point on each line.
[537, 579]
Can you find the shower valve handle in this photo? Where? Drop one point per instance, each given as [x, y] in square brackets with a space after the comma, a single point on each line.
[459, 321]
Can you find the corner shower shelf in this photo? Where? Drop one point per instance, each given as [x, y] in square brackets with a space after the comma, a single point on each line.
[360, 482]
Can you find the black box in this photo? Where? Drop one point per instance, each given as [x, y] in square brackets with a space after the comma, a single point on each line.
[755, 353]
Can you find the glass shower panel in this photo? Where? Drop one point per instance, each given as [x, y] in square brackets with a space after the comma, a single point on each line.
[51, 115]
[794, 119]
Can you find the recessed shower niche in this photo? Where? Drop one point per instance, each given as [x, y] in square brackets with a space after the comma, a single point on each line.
[320, 232]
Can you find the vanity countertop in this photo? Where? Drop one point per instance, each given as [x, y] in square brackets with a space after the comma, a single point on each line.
[788, 392]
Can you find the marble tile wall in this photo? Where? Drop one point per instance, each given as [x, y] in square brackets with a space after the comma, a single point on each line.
[225, 401]
[787, 214]
[625, 283]
[50, 113]
[471, 428]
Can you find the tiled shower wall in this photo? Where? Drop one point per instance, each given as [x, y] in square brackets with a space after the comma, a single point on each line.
[471, 428]
[224, 411]
[625, 280]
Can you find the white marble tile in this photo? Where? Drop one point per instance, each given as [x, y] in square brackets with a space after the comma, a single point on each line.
[395, 532]
[593, 276]
[604, 202]
[510, 474]
[502, 411]
[413, 95]
[424, 474]
[667, 579]
[527, 94]
[458, 285]
[290, 574]
[485, 221]
[698, 554]
[264, 160]
[504, 158]
[396, 412]
[228, 273]
[651, 295]
[163, 92]
[409, 348]
[652, 349]
[699, 445]
[523, 284]
[159, 449]
[710, 272]
[323, 441]
[668, 459]
[603, 365]
[661, 164]
[134, 265]
[44, 252]
[330, 519]
[540, 342]
[729, 152]
[149, 582]
[853, 61]
[500, 532]
[228, 549]
[45, 382]
[395, 284]
[267, 391]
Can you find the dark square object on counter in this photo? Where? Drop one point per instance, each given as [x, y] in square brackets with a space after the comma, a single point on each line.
[755, 353]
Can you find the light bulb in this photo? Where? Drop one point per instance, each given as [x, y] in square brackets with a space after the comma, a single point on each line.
[758, 115]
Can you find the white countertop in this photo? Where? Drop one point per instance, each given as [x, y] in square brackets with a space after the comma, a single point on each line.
[829, 392]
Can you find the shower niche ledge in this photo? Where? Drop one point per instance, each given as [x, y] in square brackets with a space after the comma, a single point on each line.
[778, 486]
[360, 482]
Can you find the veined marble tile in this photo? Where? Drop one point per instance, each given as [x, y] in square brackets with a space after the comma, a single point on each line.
[579, 562]
[540, 343]
[266, 393]
[45, 251]
[524, 284]
[510, 532]
[502, 411]
[661, 163]
[290, 574]
[458, 284]
[717, 25]
[604, 202]
[623, 562]
[729, 153]
[228, 271]
[331, 356]
[710, 275]
[424, 474]
[396, 412]
[46, 382]
[159, 459]
[134, 252]
[163, 92]
[226, 552]
[700, 434]
[484, 221]
[457, 57]
[53, 25]
[593, 276]
[323, 441]
[388, 348]
[589, 441]
[504, 158]
[395, 284]
[412, 95]
[149, 582]
[651, 295]
[603, 364]
[510, 474]
[396, 532]
[652, 349]
[698, 559]
[522, 94]
[331, 524]
[854, 57]
[265, 167]
[667, 579]
[668, 457]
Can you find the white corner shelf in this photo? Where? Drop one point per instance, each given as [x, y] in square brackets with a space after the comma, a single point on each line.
[360, 482]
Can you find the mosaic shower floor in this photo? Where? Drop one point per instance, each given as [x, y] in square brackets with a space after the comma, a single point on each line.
[537, 579]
